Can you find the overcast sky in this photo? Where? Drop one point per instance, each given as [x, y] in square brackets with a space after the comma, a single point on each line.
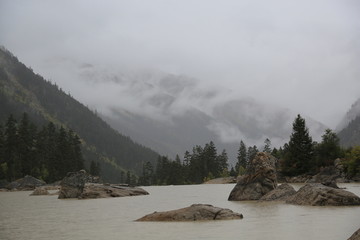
[303, 55]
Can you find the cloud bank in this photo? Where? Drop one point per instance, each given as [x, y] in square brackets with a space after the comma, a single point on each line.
[301, 55]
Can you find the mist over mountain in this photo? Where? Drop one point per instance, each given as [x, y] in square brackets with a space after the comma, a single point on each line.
[351, 114]
[173, 113]
[349, 127]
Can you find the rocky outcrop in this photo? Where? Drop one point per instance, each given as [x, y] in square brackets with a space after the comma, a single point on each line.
[330, 173]
[196, 212]
[261, 179]
[26, 183]
[317, 194]
[281, 193]
[40, 191]
[355, 236]
[73, 184]
[106, 191]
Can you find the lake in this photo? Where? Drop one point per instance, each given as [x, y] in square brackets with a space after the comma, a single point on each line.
[45, 217]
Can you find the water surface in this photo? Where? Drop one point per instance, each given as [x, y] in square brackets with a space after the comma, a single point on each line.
[46, 217]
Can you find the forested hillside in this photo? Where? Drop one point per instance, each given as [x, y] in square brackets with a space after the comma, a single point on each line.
[21, 90]
[350, 135]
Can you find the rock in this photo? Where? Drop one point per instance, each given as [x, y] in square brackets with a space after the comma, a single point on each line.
[224, 180]
[330, 183]
[196, 212]
[326, 174]
[317, 194]
[72, 185]
[40, 191]
[281, 193]
[298, 179]
[261, 179]
[25, 184]
[105, 191]
[355, 236]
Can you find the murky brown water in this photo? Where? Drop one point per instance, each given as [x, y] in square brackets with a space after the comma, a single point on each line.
[45, 217]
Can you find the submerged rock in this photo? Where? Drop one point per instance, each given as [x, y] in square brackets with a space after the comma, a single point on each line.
[317, 194]
[25, 184]
[40, 191]
[281, 193]
[355, 236]
[261, 179]
[105, 191]
[224, 180]
[196, 212]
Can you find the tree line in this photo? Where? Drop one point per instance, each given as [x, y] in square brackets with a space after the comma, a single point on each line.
[202, 164]
[48, 153]
[301, 155]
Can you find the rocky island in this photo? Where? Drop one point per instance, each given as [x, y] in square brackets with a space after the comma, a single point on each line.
[75, 185]
[196, 212]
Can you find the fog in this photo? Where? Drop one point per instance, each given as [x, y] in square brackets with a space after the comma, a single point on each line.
[301, 55]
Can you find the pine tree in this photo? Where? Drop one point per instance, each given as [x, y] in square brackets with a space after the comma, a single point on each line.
[252, 151]
[2, 159]
[10, 150]
[300, 149]
[241, 157]
[26, 146]
[267, 147]
[329, 149]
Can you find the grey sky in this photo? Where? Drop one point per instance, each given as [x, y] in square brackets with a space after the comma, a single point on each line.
[303, 55]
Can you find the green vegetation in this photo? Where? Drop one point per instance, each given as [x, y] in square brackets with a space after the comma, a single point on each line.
[204, 163]
[49, 153]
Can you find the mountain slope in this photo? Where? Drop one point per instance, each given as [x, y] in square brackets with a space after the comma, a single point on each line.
[349, 128]
[23, 91]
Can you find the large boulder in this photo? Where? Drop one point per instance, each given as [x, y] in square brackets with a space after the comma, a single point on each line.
[73, 184]
[317, 194]
[260, 179]
[195, 212]
[281, 193]
[25, 184]
[355, 236]
[106, 191]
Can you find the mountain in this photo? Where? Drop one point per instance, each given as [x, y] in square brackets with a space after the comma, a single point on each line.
[349, 127]
[173, 113]
[21, 90]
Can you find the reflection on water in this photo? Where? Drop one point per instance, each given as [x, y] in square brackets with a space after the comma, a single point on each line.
[45, 217]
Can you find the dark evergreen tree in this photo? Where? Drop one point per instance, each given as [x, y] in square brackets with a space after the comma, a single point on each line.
[76, 155]
[233, 173]
[298, 159]
[13, 163]
[267, 147]
[252, 151]
[95, 168]
[329, 149]
[222, 164]
[241, 157]
[148, 174]
[2, 159]
[26, 146]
